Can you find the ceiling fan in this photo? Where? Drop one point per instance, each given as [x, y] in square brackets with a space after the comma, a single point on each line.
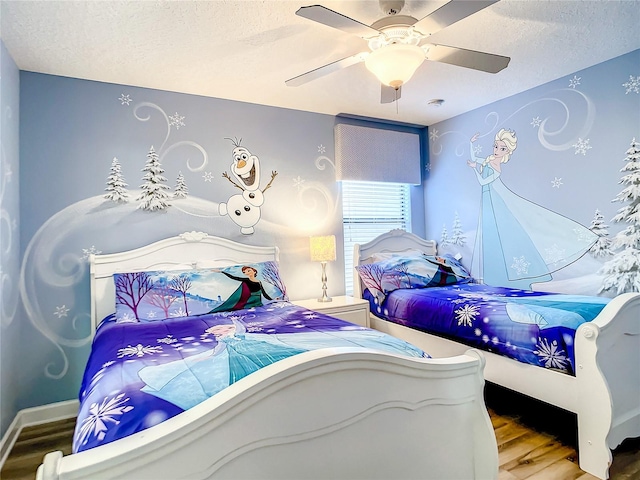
[395, 43]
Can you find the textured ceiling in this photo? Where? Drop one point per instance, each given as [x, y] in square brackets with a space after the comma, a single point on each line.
[245, 49]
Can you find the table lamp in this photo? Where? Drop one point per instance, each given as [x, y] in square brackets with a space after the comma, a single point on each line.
[323, 250]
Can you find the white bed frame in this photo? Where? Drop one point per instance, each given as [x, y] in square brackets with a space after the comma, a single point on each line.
[604, 393]
[331, 413]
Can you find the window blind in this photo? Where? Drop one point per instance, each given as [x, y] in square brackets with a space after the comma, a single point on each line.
[370, 209]
[377, 155]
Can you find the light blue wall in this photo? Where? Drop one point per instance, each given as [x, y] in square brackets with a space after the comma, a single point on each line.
[70, 132]
[10, 348]
[573, 134]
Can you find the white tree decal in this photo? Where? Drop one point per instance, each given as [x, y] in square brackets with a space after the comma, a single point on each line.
[623, 270]
[181, 189]
[444, 237]
[153, 196]
[116, 187]
[602, 247]
[457, 235]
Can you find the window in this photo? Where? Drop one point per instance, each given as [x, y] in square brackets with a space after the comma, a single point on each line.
[368, 210]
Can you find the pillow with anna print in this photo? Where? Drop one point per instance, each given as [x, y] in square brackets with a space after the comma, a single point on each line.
[160, 295]
[423, 271]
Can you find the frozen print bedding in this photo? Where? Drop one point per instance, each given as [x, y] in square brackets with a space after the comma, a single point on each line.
[143, 372]
[532, 327]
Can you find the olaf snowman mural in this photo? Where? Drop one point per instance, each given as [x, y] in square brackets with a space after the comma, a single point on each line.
[245, 209]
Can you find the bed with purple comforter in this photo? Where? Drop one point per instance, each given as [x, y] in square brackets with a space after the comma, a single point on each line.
[142, 373]
[537, 328]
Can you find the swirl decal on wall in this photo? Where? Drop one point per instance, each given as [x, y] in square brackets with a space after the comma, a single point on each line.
[546, 133]
[310, 197]
[8, 225]
[162, 152]
[321, 162]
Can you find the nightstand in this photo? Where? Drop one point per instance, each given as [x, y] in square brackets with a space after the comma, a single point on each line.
[354, 310]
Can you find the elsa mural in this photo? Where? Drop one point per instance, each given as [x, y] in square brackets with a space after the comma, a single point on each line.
[517, 241]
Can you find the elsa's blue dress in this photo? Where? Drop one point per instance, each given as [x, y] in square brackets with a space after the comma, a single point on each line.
[519, 242]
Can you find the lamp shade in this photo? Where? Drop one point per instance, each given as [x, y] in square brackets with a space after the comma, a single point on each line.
[395, 64]
[323, 249]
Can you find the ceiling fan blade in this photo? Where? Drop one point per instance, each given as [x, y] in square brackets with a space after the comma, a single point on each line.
[389, 94]
[486, 62]
[328, 17]
[449, 14]
[325, 70]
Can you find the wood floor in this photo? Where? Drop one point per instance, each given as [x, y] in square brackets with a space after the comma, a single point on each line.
[535, 442]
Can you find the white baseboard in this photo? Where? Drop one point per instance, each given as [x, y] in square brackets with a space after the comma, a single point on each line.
[35, 416]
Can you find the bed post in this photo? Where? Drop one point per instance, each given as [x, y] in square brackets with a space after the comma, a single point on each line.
[593, 405]
[357, 288]
[50, 466]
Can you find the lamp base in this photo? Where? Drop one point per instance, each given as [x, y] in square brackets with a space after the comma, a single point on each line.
[324, 297]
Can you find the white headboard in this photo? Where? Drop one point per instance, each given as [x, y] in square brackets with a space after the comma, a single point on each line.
[395, 241]
[188, 250]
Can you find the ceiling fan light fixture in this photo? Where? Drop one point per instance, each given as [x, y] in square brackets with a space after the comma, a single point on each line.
[395, 64]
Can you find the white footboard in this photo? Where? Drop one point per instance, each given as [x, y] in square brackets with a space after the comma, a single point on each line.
[338, 413]
[607, 353]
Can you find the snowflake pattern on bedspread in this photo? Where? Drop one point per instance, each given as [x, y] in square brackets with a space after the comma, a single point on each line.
[100, 416]
[140, 374]
[532, 327]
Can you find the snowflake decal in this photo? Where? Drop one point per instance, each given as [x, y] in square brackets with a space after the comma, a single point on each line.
[467, 314]
[309, 315]
[633, 85]
[550, 354]
[582, 146]
[536, 122]
[125, 99]
[574, 82]
[321, 148]
[138, 350]
[556, 182]
[553, 254]
[477, 149]
[208, 176]
[86, 252]
[520, 265]
[298, 182]
[169, 339]
[176, 121]
[433, 135]
[100, 415]
[151, 315]
[61, 311]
